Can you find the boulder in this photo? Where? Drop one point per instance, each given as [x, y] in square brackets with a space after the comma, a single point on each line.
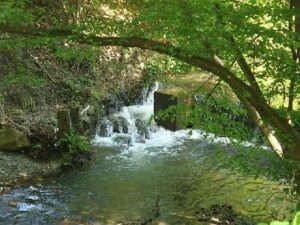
[123, 139]
[12, 139]
[103, 128]
[142, 129]
[124, 125]
[116, 125]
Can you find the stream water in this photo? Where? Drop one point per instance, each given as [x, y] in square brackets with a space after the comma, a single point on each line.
[138, 173]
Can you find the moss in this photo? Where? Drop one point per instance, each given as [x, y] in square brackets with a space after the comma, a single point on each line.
[12, 139]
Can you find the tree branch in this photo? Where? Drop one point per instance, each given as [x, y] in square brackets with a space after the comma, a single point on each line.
[241, 59]
[237, 85]
[142, 43]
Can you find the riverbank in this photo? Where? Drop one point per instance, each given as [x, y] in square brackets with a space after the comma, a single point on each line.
[180, 177]
[38, 82]
[17, 169]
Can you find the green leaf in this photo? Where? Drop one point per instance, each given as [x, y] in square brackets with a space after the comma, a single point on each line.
[280, 223]
[296, 220]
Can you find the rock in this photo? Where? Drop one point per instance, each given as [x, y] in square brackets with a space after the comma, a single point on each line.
[123, 139]
[12, 139]
[76, 121]
[142, 129]
[89, 118]
[93, 125]
[116, 125]
[222, 214]
[64, 122]
[103, 128]
[124, 125]
[85, 119]
[91, 111]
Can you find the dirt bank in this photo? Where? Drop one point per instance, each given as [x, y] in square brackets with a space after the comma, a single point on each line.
[36, 82]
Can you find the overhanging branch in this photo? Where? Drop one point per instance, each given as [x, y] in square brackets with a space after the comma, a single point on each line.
[236, 84]
[142, 43]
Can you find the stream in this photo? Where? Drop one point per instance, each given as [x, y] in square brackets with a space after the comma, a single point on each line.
[144, 174]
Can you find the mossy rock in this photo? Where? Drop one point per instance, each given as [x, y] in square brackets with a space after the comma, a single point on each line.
[12, 139]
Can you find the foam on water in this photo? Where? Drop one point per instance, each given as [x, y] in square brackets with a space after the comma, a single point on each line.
[160, 139]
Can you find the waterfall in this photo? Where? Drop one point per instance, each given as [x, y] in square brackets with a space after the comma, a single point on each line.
[133, 129]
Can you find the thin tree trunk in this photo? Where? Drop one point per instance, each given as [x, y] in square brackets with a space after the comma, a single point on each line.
[291, 95]
[266, 130]
[293, 26]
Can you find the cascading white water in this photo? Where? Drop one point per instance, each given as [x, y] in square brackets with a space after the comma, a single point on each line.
[158, 138]
[124, 186]
[131, 141]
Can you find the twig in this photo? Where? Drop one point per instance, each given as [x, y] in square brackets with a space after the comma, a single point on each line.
[212, 91]
[14, 124]
[42, 68]
[268, 200]
[156, 211]
[205, 83]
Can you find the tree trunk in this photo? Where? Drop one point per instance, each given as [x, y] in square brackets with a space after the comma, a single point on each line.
[288, 137]
[266, 130]
[294, 25]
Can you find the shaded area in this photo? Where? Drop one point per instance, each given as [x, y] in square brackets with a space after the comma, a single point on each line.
[125, 189]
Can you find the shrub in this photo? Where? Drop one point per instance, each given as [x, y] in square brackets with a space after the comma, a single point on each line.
[78, 150]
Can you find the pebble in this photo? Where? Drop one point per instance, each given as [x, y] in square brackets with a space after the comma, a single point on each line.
[17, 167]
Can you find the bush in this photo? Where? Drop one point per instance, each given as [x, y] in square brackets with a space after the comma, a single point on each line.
[296, 221]
[78, 148]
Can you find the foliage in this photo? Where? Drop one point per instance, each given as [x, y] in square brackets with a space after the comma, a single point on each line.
[76, 143]
[23, 76]
[23, 80]
[222, 117]
[168, 113]
[257, 27]
[15, 12]
[248, 44]
[296, 221]
[166, 65]
[218, 115]
[78, 149]
[74, 85]
[253, 161]
[78, 55]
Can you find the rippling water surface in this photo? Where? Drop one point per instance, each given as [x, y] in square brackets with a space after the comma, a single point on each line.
[173, 173]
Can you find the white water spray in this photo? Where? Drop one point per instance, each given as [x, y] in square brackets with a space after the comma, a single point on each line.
[158, 138]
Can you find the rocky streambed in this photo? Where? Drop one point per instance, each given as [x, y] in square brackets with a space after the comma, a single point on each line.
[17, 169]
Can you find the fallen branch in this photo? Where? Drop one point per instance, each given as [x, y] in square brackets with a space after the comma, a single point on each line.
[268, 200]
[204, 84]
[212, 90]
[212, 76]
[6, 120]
[42, 68]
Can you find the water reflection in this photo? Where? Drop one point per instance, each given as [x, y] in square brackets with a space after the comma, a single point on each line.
[187, 171]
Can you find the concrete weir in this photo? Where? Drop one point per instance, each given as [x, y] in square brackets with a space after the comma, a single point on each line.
[172, 107]
[177, 102]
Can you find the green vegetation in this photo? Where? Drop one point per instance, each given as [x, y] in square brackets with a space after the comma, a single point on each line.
[85, 51]
[32, 81]
[252, 46]
[296, 221]
[77, 149]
